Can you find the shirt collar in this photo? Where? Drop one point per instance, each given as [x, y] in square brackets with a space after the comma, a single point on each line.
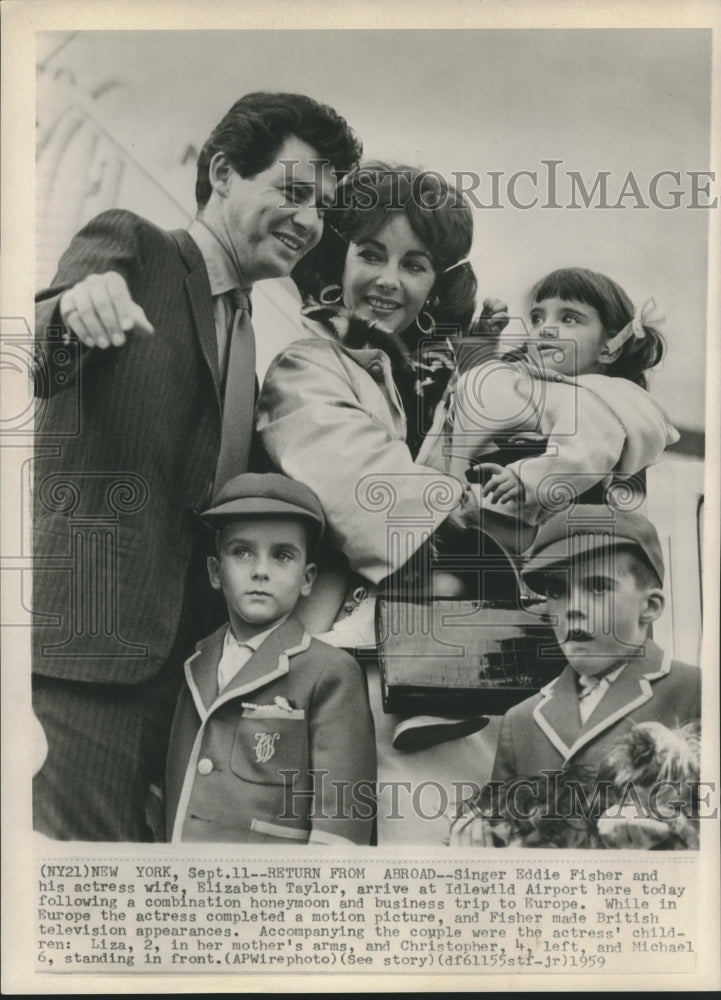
[586, 682]
[222, 273]
[255, 641]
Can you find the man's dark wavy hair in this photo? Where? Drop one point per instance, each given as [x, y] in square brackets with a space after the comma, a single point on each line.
[251, 133]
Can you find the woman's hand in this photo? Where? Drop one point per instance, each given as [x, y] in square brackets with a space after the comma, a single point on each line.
[493, 318]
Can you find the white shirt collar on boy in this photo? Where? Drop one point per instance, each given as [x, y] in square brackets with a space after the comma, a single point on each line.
[236, 654]
[592, 689]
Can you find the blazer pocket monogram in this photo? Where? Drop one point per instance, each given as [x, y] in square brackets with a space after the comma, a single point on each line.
[268, 741]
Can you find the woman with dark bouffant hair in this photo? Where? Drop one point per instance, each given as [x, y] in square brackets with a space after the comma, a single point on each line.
[359, 412]
[438, 215]
[384, 211]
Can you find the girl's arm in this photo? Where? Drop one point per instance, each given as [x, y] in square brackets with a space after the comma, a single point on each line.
[490, 402]
[585, 442]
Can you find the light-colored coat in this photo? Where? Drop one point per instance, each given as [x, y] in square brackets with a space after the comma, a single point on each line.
[594, 426]
[229, 751]
[332, 418]
[546, 732]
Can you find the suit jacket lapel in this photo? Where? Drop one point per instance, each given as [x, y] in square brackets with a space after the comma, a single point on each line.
[368, 358]
[557, 713]
[201, 670]
[201, 302]
[628, 692]
[269, 663]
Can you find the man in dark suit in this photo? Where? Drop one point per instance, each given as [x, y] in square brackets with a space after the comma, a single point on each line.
[146, 371]
[602, 572]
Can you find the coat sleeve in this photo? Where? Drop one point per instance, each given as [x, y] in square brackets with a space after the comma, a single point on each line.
[342, 754]
[486, 406]
[110, 242]
[585, 442]
[314, 426]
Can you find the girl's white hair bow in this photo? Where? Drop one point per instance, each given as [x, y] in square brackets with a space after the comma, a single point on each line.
[646, 315]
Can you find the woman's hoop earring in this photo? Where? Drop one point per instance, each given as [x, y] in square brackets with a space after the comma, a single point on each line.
[428, 330]
[331, 295]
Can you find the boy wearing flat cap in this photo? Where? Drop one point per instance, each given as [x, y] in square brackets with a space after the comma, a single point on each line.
[601, 571]
[272, 740]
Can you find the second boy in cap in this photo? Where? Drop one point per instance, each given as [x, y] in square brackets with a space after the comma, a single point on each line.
[601, 571]
[273, 738]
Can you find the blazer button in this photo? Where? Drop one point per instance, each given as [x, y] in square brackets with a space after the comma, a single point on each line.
[376, 369]
[205, 765]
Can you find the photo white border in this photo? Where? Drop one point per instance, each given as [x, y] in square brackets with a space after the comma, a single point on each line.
[20, 20]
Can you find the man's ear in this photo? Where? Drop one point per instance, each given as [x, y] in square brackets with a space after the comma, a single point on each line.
[612, 349]
[220, 170]
[311, 571]
[654, 603]
[214, 572]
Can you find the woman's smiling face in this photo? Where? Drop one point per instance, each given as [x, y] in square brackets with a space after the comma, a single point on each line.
[388, 276]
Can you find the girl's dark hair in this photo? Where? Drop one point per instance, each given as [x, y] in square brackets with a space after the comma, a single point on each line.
[253, 130]
[615, 310]
[438, 214]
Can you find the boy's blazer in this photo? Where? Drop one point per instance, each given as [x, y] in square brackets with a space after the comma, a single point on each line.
[228, 753]
[545, 731]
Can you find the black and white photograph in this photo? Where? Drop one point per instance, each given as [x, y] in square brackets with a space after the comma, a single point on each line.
[360, 497]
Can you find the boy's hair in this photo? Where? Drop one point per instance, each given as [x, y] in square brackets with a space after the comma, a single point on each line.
[258, 124]
[615, 309]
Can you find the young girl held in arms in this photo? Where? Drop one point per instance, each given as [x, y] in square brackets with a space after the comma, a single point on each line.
[578, 383]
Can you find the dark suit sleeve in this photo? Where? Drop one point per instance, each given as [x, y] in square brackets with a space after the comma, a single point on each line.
[342, 747]
[504, 765]
[110, 242]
